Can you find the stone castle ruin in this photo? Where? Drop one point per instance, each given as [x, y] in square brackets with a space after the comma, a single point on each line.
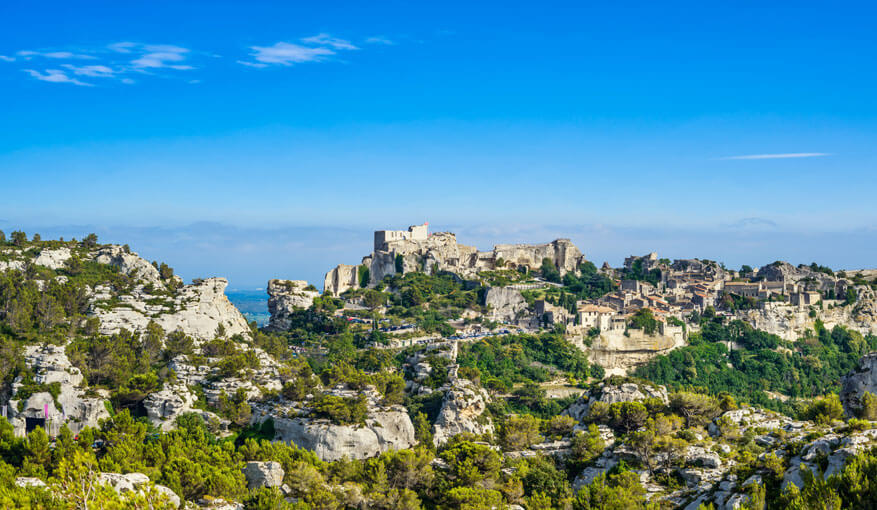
[416, 250]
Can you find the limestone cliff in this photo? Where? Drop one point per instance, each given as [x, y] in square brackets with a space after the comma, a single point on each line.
[619, 351]
[197, 310]
[790, 322]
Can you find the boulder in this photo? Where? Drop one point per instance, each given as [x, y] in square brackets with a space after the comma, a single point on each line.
[263, 474]
[383, 431]
[29, 481]
[136, 483]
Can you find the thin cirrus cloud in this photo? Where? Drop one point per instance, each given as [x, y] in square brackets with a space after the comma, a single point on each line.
[55, 76]
[124, 61]
[780, 156]
[315, 48]
[115, 62]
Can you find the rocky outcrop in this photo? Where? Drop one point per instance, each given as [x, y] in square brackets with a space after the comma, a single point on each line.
[385, 428]
[791, 322]
[612, 393]
[165, 406]
[341, 278]
[70, 406]
[504, 304]
[263, 474]
[440, 251]
[462, 411]
[53, 259]
[286, 296]
[137, 483]
[128, 263]
[197, 310]
[855, 384]
[619, 351]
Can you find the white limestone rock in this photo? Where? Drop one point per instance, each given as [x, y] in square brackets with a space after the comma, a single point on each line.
[285, 296]
[504, 303]
[197, 310]
[136, 483]
[51, 365]
[128, 263]
[263, 474]
[384, 430]
[53, 259]
[462, 411]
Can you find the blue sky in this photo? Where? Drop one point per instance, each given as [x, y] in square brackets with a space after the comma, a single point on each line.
[267, 139]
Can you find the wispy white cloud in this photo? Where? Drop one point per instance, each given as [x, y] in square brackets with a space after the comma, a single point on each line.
[162, 56]
[122, 47]
[327, 40]
[379, 39]
[781, 156]
[316, 48]
[94, 71]
[251, 64]
[65, 55]
[117, 61]
[286, 54]
[56, 76]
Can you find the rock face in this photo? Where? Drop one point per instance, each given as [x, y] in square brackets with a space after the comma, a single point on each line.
[197, 310]
[855, 384]
[128, 263]
[341, 278]
[440, 251]
[385, 428]
[285, 296]
[53, 259]
[52, 367]
[263, 474]
[504, 303]
[613, 393]
[618, 352]
[790, 322]
[163, 407]
[462, 411]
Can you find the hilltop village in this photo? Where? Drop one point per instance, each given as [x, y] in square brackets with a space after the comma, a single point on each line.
[434, 375]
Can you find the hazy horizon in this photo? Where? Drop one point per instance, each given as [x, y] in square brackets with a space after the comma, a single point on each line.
[249, 257]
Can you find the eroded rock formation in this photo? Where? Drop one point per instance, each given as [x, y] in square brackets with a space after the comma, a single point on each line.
[285, 296]
[52, 368]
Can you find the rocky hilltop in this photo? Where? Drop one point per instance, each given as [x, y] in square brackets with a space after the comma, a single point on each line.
[441, 252]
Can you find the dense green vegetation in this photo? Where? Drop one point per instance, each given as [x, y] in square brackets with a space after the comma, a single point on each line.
[760, 362]
[505, 361]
